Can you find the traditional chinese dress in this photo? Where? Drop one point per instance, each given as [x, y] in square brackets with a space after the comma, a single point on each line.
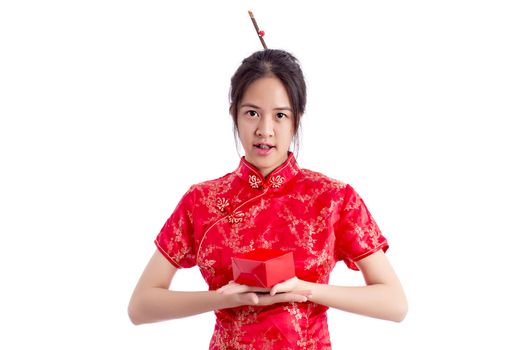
[319, 219]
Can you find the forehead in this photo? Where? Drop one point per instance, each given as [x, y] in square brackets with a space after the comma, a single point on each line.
[268, 91]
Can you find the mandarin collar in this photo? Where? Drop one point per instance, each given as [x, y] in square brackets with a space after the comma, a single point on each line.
[278, 177]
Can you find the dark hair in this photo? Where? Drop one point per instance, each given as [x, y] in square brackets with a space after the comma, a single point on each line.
[262, 63]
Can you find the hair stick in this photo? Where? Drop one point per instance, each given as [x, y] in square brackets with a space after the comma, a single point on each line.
[260, 33]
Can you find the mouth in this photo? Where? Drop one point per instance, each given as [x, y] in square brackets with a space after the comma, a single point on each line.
[263, 146]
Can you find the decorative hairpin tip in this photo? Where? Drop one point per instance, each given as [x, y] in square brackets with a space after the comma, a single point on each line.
[251, 14]
[261, 33]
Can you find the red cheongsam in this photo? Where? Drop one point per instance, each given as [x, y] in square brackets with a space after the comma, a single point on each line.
[319, 219]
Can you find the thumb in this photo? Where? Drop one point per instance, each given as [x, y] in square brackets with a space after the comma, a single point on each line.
[276, 288]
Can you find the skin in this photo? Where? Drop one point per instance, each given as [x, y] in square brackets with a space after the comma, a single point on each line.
[265, 116]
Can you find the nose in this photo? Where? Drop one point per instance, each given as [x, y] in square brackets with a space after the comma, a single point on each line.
[265, 126]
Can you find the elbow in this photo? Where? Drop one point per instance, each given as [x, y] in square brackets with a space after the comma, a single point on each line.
[400, 311]
[133, 311]
[133, 316]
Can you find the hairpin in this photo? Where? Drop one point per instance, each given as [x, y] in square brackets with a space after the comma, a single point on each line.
[259, 32]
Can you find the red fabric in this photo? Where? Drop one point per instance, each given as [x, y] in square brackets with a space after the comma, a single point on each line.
[319, 219]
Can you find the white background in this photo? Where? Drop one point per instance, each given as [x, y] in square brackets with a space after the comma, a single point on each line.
[111, 109]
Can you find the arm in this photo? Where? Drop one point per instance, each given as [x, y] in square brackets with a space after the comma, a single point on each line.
[382, 297]
[152, 301]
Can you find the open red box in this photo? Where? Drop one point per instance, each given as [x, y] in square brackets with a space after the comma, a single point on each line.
[263, 267]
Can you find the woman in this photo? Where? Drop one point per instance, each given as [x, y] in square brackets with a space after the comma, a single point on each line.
[269, 202]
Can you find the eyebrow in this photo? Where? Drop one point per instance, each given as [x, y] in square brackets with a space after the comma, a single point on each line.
[257, 107]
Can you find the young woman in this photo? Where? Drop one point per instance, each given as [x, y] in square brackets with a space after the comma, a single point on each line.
[269, 202]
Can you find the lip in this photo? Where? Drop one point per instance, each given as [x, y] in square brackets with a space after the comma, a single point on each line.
[264, 143]
[263, 151]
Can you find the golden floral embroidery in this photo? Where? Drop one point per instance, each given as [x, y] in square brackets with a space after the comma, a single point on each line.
[254, 181]
[276, 181]
[222, 203]
[296, 316]
[236, 217]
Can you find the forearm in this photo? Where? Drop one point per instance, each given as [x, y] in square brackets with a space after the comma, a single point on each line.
[159, 304]
[377, 300]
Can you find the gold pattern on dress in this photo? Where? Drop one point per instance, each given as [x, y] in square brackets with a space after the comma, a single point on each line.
[276, 181]
[177, 247]
[296, 316]
[236, 217]
[222, 203]
[254, 181]
[206, 264]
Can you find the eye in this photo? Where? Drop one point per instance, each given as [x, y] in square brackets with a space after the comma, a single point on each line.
[281, 115]
[252, 113]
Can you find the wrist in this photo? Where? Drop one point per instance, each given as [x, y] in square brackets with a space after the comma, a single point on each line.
[230, 300]
[309, 286]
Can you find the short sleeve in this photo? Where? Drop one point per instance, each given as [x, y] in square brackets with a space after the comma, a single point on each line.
[357, 234]
[176, 239]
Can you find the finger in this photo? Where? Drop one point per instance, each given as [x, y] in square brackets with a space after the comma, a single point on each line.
[252, 299]
[285, 286]
[291, 297]
[294, 298]
[281, 298]
[225, 286]
[233, 288]
[306, 293]
[248, 298]
[278, 288]
[274, 290]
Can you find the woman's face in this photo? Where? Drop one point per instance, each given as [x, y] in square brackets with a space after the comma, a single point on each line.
[265, 123]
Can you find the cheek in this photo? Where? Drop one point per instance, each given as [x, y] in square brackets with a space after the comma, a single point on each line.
[288, 132]
[243, 131]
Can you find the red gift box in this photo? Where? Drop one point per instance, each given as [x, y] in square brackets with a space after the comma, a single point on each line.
[263, 267]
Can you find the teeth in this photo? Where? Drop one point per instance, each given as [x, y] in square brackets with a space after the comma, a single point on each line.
[263, 146]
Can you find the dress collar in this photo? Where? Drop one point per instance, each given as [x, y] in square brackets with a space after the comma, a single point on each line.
[285, 172]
